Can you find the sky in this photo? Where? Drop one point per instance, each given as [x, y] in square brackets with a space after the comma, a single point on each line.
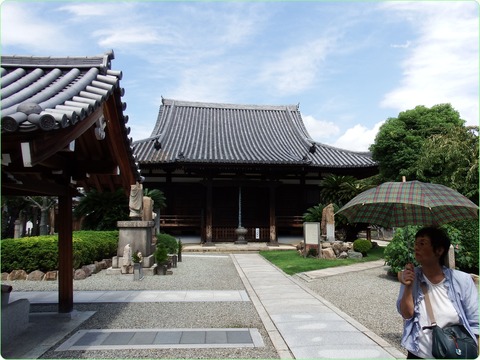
[349, 65]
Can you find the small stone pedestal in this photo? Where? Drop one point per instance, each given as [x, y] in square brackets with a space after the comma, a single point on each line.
[137, 271]
[241, 232]
[138, 234]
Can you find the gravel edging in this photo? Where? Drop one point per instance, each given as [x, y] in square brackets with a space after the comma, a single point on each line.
[195, 272]
[368, 296]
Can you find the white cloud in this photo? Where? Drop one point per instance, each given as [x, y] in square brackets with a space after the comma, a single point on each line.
[318, 129]
[443, 65]
[22, 27]
[203, 82]
[296, 69]
[358, 138]
[405, 45]
[92, 9]
[128, 35]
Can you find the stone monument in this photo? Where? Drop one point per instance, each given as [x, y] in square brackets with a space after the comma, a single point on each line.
[328, 223]
[136, 235]
[136, 201]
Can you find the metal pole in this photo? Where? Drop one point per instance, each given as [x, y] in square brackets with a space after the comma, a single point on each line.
[239, 206]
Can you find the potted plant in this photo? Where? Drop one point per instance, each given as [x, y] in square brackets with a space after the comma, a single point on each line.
[180, 250]
[161, 258]
[137, 259]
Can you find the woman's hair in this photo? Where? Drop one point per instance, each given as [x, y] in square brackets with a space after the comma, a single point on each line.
[439, 240]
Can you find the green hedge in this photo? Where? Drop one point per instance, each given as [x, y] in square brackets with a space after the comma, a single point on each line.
[464, 237]
[41, 252]
[169, 241]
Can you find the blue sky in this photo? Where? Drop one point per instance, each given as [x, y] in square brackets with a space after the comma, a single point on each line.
[350, 65]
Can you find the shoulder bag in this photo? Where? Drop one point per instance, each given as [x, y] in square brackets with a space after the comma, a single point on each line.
[449, 342]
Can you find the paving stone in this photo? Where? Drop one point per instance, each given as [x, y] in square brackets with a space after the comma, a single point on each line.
[239, 337]
[168, 337]
[92, 338]
[216, 337]
[193, 337]
[118, 338]
[143, 338]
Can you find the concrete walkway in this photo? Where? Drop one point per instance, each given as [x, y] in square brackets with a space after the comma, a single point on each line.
[301, 324]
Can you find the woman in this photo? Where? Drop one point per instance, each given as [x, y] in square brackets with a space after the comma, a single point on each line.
[453, 294]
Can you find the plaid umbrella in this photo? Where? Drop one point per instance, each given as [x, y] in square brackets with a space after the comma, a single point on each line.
[409, 203]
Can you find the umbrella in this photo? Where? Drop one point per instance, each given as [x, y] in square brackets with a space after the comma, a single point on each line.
[409, 203]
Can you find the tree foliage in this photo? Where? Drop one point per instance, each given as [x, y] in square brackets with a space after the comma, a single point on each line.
[43, 203]
[452, 160]
[340, 189]
[398, 144]
[157, 196]
[102, 210]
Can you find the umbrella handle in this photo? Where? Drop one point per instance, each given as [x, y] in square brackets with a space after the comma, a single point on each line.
[400, 278]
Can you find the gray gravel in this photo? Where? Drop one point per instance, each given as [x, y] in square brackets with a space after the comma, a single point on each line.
[195, 272]
[367, 296]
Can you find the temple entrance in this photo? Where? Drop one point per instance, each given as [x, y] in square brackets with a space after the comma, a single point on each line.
[255, 213]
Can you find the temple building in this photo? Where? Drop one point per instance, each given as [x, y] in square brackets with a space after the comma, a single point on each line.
[225, 166]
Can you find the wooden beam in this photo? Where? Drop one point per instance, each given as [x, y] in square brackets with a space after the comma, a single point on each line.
[34, 188]
[273, 224]
[65, 254]
[45, 146]
[115, 137]
[209, 216]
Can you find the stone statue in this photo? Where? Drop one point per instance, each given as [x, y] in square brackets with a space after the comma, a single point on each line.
[328, 222]
[147, 209]
[136, 201]
[127, 255]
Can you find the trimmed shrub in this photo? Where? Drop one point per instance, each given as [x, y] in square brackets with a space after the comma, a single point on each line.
[169, 242]
[463, 236]
[41, 252]
[362, 246]
[161, 254]
[399, 251]
[466, 244]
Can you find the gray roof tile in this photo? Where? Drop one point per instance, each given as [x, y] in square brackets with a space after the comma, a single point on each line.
[51, 92]
[195, 132]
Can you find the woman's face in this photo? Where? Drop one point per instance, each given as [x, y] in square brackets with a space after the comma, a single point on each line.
[424, 253]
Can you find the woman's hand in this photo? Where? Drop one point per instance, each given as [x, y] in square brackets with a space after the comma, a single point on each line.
[407, 276]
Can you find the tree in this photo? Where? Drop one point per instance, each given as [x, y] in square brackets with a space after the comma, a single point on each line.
[44, 204]
[102, 210]
[158, 203]
[13, 208]
[452, 160]
[340, 189]
[399, 142]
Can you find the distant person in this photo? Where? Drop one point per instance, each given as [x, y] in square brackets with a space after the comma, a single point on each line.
[453, 294]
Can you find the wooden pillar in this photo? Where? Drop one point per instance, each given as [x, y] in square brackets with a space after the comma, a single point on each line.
[65, 254]
[273, 218]
[209, 220]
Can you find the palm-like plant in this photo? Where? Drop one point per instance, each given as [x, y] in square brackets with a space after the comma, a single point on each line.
[159, 202]
[314, 214]
[337, 188]
[157, 196]
[102, 210]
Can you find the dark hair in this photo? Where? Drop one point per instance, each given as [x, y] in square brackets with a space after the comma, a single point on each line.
[439, 240]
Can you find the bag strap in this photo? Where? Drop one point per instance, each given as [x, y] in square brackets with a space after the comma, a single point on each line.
[428, 305]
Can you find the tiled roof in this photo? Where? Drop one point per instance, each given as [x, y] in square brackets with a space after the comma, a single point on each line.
[51, 92]
[64, 115]
[194, 132]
